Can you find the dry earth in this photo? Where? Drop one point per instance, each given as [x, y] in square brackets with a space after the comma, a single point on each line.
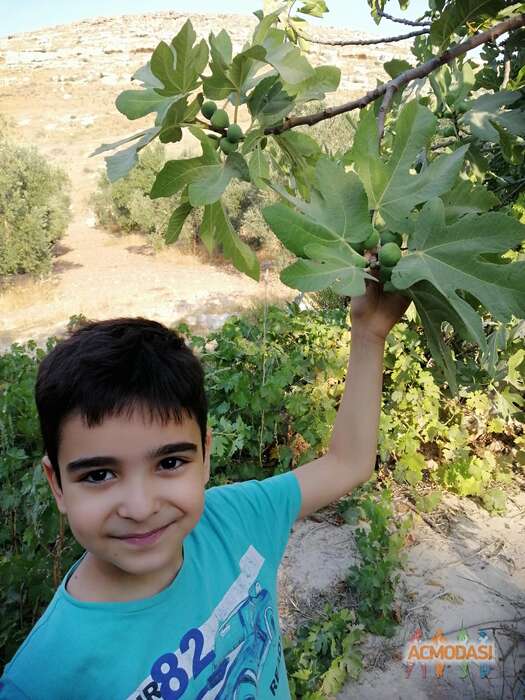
[464, 568]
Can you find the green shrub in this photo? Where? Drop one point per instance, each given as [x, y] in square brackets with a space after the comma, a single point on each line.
[34, 209]
[125, 207]
[324, 654]
[244, 204]
[334, 135]
[35, 552]
[380, 540]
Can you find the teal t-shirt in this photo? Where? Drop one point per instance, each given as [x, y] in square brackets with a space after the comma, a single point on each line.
[212, 634]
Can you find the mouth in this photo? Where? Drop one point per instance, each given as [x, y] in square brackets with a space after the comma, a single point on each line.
[144, 538]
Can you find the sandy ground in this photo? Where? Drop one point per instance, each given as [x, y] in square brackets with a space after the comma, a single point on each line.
[464, 568]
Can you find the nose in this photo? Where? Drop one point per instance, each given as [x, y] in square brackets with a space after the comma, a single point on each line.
[139, 500]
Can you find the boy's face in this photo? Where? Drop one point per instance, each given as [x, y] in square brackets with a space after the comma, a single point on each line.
[132, 490]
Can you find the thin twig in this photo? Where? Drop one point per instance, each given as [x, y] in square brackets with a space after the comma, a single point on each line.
[364, 42]
[426, 602]
[385, 106]
[403, 78]
[516, 603]
[499, 543]
[506, 68]
[408, 22]
[423, 517]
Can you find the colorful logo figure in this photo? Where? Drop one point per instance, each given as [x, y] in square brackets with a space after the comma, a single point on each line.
[440, 652]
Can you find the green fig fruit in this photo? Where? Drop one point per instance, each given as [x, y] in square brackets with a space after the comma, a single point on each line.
[360, 261]
[227, 146]
[391, 237]
[220, 119]
[234, 133]
[208, 108]
[389, 254]
[371, 241]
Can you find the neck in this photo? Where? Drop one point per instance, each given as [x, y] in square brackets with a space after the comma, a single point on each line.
[98, 581]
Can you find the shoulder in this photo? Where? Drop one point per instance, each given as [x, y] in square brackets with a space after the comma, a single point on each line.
[32, 656]
[254, 512]
[270, 493]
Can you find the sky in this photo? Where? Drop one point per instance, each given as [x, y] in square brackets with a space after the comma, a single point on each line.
[28, 15]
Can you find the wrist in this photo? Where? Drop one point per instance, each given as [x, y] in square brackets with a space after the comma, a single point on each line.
[362, 335]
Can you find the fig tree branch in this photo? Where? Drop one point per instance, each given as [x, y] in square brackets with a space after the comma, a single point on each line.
[403, 78]
[365, 42]
[409, 22]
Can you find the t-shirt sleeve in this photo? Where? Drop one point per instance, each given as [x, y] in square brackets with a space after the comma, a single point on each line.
[265, 509]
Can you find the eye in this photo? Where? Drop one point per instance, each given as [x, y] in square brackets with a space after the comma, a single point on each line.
[98, 476]
[171, 463]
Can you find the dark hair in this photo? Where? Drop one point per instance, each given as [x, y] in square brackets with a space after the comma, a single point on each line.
[110, 368]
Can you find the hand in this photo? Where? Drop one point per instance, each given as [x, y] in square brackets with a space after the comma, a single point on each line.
[376, 312]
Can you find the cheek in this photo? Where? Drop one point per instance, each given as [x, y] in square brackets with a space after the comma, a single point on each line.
[190, 498]
[85, 516]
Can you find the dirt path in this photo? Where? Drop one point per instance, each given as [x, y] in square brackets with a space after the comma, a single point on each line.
[102, 275]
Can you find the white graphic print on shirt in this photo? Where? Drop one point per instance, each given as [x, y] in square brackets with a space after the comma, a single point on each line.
[223, 658]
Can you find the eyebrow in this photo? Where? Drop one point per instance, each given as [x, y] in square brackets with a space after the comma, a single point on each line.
[108, 460]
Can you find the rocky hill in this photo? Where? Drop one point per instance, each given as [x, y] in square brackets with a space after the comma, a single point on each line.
[74, 72]
[58, 88]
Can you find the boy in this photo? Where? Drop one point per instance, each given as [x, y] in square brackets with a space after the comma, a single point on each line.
[175, 595]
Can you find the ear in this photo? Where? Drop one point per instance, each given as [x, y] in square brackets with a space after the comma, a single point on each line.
[53, 484]
[207, 458]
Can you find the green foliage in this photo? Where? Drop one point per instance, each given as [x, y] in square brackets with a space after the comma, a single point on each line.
[125, 207]
[274, 381]
[380, 540]
[456, 16]
[323, 655]
[34, 550]
[273, 386]
[417, 421]
[34, 209]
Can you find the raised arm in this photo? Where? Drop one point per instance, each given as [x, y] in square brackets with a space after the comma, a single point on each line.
[352, 453]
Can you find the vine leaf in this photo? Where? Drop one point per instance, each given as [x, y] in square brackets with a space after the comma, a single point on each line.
[461, 257]
[216, 228]
[119, 164]
[176, 222]
[461, 13]
[321, 230]
[392, 188]
[211, 181]
[190, 62]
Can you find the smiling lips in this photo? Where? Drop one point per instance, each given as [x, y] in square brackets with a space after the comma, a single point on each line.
[145, 538]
